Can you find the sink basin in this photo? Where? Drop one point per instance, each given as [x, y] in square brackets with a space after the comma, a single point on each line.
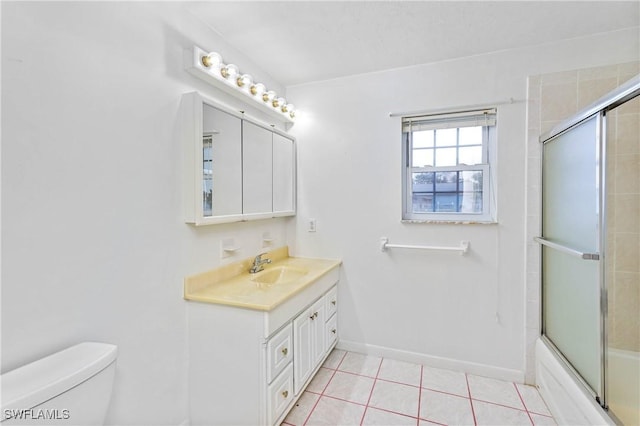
[279, 275]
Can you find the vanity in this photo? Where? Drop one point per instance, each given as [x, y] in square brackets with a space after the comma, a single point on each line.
[255, 340]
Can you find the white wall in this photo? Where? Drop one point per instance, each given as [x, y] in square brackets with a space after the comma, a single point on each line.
[470, 309]
[93, 242]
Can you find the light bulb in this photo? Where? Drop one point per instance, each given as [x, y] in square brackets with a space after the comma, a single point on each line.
[278, 102]
[268, 96]
[245, 81]
[287, 108]
[257, 89]
[229, 71]
[211, 59]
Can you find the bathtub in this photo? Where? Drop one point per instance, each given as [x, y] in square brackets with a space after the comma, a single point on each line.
[567, 400]
[623, 393]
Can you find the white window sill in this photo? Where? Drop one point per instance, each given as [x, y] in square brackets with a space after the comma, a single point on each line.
[450, 222]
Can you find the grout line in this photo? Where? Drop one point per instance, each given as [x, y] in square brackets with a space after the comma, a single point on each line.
[371, 393]
[473, 411]
[543, 415]
[384, 380]
[344, 400]
[394, 412]
[499, 405]
[324, 389]
[447, 393]
[523, 404]
[431, 422]
[357, 374]
[401, 383]
[419, 395]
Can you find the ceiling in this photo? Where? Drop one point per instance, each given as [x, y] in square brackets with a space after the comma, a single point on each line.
[298, 42]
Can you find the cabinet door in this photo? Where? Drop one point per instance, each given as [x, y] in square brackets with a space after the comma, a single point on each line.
[309, 334]
[221, 159]
[279, 353]
[318, 333]
[257, 179]
[283, 174]
[302, 355]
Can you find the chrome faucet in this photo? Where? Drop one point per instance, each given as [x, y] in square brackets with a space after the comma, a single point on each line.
[258, 263]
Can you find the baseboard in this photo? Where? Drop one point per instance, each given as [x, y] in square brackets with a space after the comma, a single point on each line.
[434, 361]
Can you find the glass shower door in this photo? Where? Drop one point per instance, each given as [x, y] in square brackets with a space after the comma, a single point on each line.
[571, 316]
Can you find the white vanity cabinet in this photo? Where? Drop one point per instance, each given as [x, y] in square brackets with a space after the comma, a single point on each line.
[249, 366]
[235, 168]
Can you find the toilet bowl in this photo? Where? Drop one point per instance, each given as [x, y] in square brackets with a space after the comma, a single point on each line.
[70, 387]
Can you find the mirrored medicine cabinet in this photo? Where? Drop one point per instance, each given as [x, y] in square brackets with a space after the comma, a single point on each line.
[235, 168]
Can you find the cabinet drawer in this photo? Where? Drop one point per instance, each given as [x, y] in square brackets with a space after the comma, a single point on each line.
[280, 394]
[331, 331]
[331, 302]
[279, 353]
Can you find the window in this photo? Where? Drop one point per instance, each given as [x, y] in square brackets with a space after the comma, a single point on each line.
[446, 166]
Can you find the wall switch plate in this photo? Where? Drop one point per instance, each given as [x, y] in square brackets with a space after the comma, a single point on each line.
[311, 226]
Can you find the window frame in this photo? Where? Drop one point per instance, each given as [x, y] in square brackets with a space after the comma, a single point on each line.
[488, 143]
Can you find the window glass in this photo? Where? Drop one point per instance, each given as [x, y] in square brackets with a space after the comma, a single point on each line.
[470, 155]
[446, 157]
[422, 157]
[446, 137]
[423, 139]
[447, 170]
[470, 135]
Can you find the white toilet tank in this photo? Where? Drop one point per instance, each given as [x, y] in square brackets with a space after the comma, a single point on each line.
[70, 387]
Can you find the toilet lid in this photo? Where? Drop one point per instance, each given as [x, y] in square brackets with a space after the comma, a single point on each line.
[37, 382]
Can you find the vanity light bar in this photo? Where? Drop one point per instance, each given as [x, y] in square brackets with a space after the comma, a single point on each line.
[210, 67]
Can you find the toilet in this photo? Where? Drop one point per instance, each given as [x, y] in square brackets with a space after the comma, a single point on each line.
[70, 387]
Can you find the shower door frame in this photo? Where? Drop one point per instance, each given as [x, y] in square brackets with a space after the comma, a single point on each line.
[617, 97]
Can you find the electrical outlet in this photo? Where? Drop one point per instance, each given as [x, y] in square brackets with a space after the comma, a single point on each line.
[311, 225]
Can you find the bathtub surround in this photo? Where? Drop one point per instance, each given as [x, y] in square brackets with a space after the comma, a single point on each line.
[555, 97]
[94, 243]
[623, 225]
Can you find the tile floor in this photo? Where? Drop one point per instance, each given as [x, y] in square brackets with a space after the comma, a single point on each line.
[355, 389]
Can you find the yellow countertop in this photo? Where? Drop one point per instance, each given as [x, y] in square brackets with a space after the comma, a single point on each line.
[233, 284]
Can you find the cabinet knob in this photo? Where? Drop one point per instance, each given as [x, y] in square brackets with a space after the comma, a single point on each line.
[314, 316]
[333, 331]
[285, 394]
[285, 351]
[333, 302]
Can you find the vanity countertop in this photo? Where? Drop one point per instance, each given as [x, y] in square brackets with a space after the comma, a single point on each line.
[233, 285]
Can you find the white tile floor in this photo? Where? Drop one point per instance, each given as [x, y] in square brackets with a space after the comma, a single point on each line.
[356, 389]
